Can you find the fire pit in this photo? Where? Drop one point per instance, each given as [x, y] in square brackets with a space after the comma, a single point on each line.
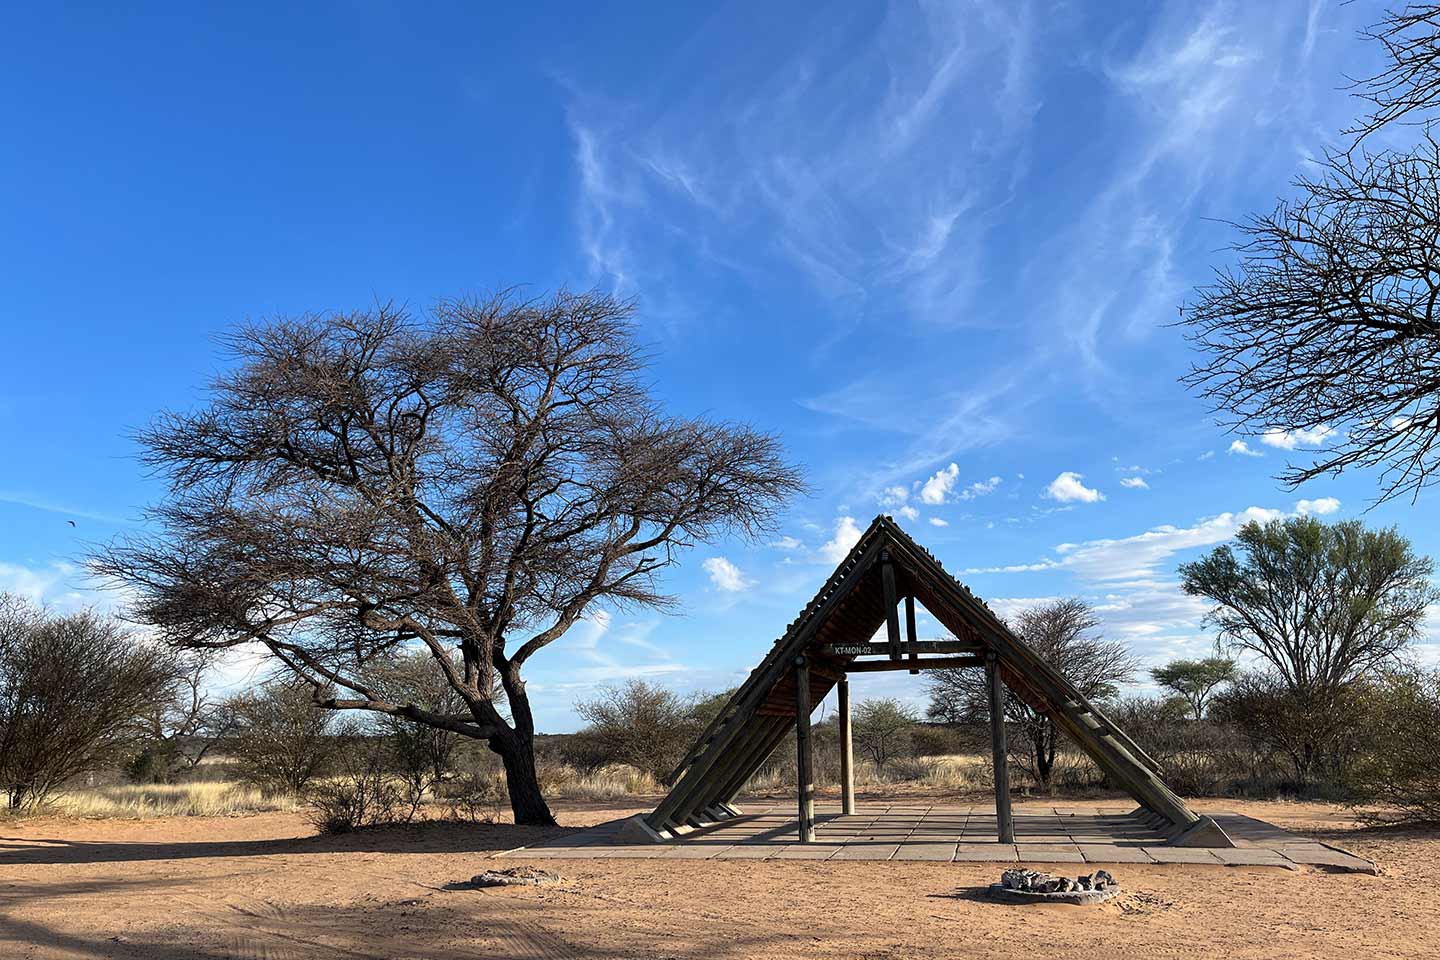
[1032, 886]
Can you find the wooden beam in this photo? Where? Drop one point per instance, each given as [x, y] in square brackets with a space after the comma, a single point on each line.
[910, 632]
[883, 649]
[804, 776]
[693, 780]
[929, 663]
[847, 752]
[1001, 755]
[892, 615]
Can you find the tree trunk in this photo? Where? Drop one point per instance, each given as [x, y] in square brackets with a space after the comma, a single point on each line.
[527, 803]
[516, 748]
[1044, 739]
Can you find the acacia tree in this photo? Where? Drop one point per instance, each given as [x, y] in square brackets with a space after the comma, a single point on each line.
[1061, 632]
[470, 483]
[882, 728]
[1323, 605]
[281, 738]
[1325, 334]
[1194, 680]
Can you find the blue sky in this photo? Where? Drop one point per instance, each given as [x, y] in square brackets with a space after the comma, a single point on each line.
[934, 246]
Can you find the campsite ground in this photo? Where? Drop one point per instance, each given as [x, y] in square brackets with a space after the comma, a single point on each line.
[200, 888]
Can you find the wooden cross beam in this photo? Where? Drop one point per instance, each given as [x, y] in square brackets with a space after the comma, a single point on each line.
[917, 646]
[914, 666]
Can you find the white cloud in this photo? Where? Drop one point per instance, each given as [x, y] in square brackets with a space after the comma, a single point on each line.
[1068, 488]
[937, 522]
[979, 488]
[786, 543]
[1318, 507]
[1207, 455]
[725, 575]
[847, 534]
[894, 496]
[939, 486]
[1137, 558]
[1134, 483]
[1243, 449]
[33, 585]
[907, 511]
[1297, 438]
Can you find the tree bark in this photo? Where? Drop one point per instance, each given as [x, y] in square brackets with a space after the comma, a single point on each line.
[516, 749]
[527, 803]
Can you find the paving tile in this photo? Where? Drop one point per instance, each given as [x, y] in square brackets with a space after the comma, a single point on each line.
[1103, 853]
[747, 853]
[1049, 853]
[985, 852]
[1251, 857]
[1330, 858]
[943, 852]
[866, 851]
[1181, 855]
[691, 851]
[647, 852]
[807, 851]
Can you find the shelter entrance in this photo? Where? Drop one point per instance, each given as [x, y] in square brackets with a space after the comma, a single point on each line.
[878, 585]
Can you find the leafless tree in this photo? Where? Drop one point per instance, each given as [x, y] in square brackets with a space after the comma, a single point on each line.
[1409, 84]
[73, 690]
[1328, 332]
[1061, 632]
[179, 731]
[470, 483]
[1325, 334]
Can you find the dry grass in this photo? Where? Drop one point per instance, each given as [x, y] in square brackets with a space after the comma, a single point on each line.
[137, 802]
[612, 782]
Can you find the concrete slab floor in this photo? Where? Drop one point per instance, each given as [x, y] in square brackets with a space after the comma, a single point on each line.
[1096, 835]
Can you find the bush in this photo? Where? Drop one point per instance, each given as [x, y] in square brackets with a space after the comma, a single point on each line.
[1398, 765]
[282, 740]
[1312, 737]
[364, 793]
[72, 691]
[476, 797]
[882, 730]
[642, 725]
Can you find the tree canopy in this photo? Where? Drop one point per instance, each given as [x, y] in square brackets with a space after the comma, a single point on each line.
[1194, 680]
[1324, 334]
[1320, 604]
[470, 483]
[1061, 632]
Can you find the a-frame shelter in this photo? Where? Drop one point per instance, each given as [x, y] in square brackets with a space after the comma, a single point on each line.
[831, 638]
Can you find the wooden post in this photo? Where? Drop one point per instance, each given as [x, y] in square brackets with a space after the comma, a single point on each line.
[892, 600]
[1003, 818]
[847, 752]
[910, 638]
[804, 778]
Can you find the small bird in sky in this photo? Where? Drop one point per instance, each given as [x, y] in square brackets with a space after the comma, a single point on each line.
[71, 522]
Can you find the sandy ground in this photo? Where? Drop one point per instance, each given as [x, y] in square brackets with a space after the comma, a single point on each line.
[262, 887]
